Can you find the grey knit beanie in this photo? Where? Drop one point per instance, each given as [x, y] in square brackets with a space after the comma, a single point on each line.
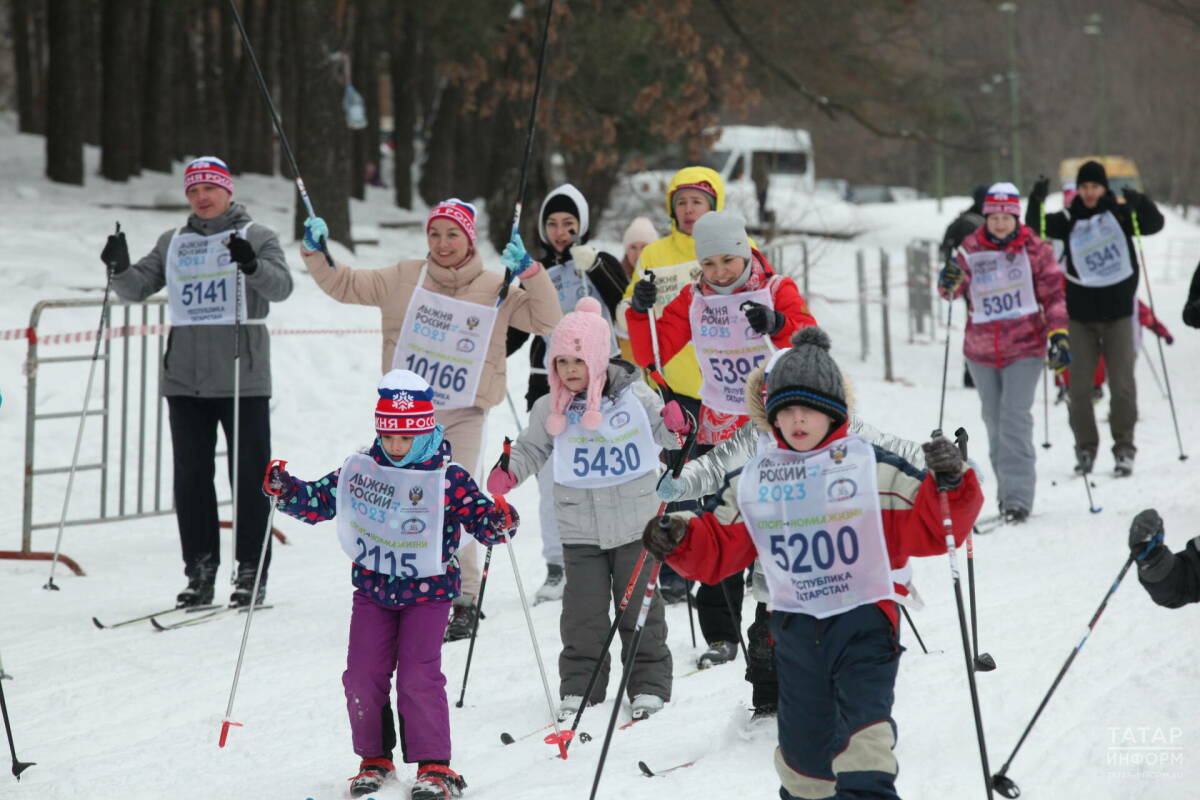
[806, 375]
[721, 233]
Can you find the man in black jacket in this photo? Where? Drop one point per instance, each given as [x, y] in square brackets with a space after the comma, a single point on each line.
[1171, 579]
[1191, 309]
[1102, 279]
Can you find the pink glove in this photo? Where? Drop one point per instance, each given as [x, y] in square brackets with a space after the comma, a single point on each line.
[500, 481]
[673, 417]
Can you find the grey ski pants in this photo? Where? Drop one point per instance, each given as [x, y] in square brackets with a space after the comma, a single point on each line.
[596, 581]
[1115, 341]
[1006, 395]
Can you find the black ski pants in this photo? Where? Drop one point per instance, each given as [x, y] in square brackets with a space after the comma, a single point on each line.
[194, 422]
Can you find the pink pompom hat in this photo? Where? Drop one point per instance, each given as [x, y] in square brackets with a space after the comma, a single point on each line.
[585, 334]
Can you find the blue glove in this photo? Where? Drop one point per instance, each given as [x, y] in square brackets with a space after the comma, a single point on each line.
[315, 234]
[514, 258]
[670, 488]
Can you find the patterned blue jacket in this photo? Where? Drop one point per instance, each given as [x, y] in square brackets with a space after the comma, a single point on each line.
[466, 508]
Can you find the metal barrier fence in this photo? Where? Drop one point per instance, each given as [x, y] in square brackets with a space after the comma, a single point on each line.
[130, 411]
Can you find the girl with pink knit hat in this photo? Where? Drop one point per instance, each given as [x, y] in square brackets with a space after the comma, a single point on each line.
[601, 428]
[440, 319]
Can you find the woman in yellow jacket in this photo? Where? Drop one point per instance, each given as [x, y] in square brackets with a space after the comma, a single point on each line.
[441, 320]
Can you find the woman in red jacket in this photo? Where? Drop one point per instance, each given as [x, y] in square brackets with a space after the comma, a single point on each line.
[1015, 294]
[833, 521]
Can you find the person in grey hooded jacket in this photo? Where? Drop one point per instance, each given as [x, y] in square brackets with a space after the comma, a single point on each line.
[602, 431]
[216, 258]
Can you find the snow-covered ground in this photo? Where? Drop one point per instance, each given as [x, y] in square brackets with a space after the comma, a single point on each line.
[129, 713]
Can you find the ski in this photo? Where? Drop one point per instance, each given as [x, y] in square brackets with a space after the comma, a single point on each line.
[162, 613]
[649, 773]
[208, 616]
[989, 523]
[508, 738]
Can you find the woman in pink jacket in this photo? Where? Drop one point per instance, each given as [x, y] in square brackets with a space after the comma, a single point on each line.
[1014, 290]
[441, 320]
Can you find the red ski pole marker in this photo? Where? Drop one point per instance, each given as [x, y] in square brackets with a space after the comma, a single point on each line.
[561, 738]
[225, 726]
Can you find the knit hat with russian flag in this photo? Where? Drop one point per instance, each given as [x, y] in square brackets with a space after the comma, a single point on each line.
[405, 406]
[460, 212]
[208, 169]
[1002, 198]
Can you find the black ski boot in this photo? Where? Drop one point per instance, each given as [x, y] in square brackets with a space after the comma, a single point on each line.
[199, 591]
[718, 653]
[462, 622]
[244, 586]
[371, 775]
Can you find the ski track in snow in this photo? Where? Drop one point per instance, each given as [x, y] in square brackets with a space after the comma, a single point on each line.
[131, 713]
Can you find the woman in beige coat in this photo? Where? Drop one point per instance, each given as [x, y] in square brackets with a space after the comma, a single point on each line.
[441, 319]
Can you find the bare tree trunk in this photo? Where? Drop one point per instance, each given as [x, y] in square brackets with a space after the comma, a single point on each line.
[158, 121]
[250, 126]
[64, 125]
[120, 122]
[214, 110]
[360, 67]
[189, 86]
[404, 59]
[29, 112]
[320, 139]
[93, 70]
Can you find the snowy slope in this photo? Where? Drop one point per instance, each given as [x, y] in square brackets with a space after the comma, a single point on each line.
[129, 713]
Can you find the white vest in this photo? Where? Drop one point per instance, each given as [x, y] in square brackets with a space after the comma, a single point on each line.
[1001, 286]
[1099, 251]
[621, 449]
[727, 348]
[445, 341]
[390, 520]
[203, 281]
[815, 520]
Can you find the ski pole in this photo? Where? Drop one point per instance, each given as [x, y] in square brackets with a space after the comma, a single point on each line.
[237, 419]
[87, 397]
[505, 457]
[1153, 371]
[558, 737]
[984, 662]
[948, 526]
[513, 408]
[17, 766]
[911, 624]
[530, 128]
[287, 148]
[228, 722]
[1087, 485]
[1046, 408]
[1000, 780]
[946, 355]
[626, 669]
[1162, 356]
[687, 596]
[676, 467]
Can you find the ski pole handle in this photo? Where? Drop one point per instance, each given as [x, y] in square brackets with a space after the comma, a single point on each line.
[960, 439]
[279, 464]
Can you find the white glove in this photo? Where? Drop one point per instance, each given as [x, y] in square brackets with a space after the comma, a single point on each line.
[583, 256]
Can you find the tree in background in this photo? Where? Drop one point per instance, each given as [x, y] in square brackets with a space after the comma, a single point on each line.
[64, 124]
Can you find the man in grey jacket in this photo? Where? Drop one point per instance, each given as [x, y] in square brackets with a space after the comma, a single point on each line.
[221, 272]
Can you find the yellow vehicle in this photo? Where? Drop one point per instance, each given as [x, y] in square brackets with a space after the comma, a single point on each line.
[1122, 172]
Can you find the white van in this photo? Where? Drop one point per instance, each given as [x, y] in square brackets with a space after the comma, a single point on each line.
[764, 166]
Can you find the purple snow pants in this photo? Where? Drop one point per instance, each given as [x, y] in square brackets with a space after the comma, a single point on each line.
[407, 641]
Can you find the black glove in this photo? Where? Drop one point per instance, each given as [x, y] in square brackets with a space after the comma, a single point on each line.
[1132, 196]
[115, 254]
[1040, 189]
[765, 321]
[945, 460]
[1191, 314]
[1058, 354]
[241, 252]
[504, 520]
[1154, 560]
[645, 293]
[662, 535]
[951, 277]
[278, 483]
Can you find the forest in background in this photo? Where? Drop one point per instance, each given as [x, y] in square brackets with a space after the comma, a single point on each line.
[889, 89]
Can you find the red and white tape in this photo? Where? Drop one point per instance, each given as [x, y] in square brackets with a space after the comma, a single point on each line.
[121, 331]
